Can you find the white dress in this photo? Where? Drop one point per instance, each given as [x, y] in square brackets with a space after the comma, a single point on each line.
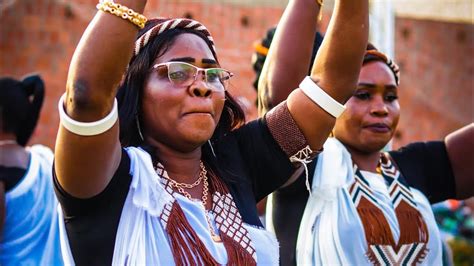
[331, 232]
[141, 237]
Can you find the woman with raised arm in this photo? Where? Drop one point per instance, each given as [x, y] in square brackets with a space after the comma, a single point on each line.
[175, 179]
[29, 228]
[365, 206]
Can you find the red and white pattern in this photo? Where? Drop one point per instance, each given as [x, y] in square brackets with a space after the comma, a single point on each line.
[362, 194]
[227, 217]
[229, 221]
[168, 24]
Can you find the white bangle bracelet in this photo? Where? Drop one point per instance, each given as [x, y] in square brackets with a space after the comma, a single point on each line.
[87, 128]
[321, 98]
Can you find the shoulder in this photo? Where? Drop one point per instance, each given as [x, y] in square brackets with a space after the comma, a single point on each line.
[43, 151]
[426, 167]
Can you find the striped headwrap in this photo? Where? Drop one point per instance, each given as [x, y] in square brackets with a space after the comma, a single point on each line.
[376, 55]
[165, 24]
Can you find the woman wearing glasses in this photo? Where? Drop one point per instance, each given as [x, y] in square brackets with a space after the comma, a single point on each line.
[175, 179]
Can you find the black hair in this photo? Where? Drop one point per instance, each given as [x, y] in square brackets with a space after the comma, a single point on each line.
[259, 58]
[371, 58]
[131, 90]
[20, 105]
[373, 55]
[129, 97]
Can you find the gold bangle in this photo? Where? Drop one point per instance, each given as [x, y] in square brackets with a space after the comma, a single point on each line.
[319, 2]
[123, 12]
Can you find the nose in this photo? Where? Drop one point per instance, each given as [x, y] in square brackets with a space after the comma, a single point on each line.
[200, 88]
[378, 107]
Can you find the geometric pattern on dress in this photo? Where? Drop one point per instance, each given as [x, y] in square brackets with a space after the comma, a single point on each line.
[227, 217]
[164, 216]
[398, 191]
[407, 254]
[361, 189]
[229, 221]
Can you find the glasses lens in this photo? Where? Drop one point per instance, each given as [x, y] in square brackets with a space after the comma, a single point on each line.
[217, 77]
[181, 74]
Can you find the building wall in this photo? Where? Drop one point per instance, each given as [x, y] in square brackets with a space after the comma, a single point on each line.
[437, 83]
[40, 36]
[436, 91]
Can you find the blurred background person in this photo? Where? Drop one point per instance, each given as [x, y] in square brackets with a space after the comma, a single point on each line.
[28, 219]
[456, 223]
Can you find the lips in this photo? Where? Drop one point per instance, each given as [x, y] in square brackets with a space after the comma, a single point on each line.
[378, 128]
[199, 112]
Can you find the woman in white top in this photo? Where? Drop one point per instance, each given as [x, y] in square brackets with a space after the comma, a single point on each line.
[365, 207]
[176, 179]
[29, 231]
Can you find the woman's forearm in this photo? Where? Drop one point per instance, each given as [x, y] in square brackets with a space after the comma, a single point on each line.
[339, 59]
[335, 70]
[460, 146]
[99, 62]
[289, 57]
[84, 165]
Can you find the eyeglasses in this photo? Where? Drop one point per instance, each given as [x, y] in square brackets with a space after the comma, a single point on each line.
[183, 74]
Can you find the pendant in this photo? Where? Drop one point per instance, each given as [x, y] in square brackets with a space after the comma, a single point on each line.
[216, 238]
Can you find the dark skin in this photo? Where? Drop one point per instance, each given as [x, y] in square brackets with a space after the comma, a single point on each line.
[85, 165]
[371, 115]
[370, 120]
[11, 155]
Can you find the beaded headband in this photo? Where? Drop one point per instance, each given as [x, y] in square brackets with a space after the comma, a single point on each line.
[168, 24]
[394, 67]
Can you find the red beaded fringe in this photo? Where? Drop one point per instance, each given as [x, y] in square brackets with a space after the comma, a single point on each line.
[187, 247]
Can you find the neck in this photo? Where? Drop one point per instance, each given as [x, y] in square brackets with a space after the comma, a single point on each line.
[7, 139]
[12, 154]
[366, 161]
[182, 167]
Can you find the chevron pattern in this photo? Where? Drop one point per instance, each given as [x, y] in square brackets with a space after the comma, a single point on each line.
[360, 189]
[406, 255]
[399, 191]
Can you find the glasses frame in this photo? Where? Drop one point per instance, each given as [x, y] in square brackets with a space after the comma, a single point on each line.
[198, 70]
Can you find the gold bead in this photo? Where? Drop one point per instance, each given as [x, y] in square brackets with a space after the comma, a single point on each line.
[123, 12]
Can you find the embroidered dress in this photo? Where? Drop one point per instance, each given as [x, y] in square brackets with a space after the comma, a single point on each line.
[143, 235]
[360, 218]
[30, 233]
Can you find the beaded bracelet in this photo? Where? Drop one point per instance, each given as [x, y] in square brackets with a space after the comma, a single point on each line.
[123, 12]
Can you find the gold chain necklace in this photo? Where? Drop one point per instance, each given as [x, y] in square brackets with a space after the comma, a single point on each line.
[205, 191]
[177, 185]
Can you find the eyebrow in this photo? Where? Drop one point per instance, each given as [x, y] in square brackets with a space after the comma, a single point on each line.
[209, 61]
[192, 60]
[371, 85]
[184, 59]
